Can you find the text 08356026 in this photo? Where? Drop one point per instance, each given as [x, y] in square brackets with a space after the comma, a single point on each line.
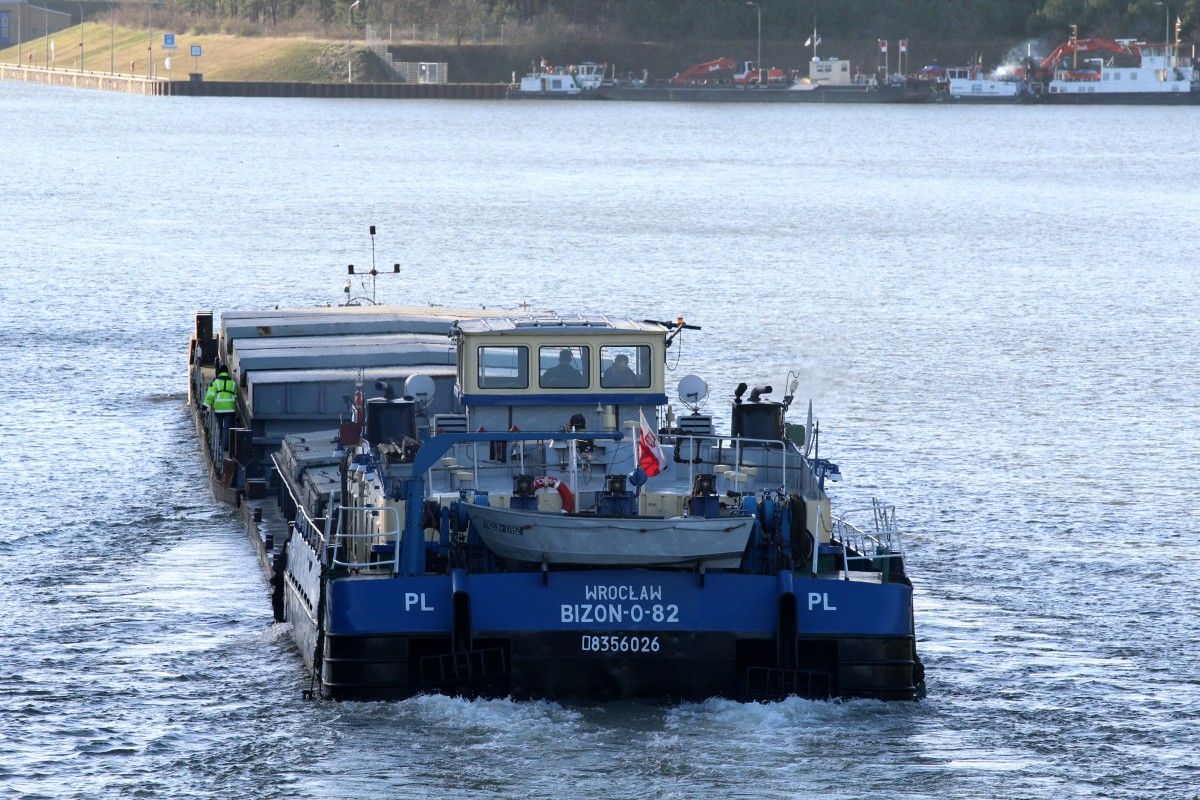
[619, 644]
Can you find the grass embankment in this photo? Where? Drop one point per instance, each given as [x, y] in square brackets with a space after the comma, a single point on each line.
[223, 58]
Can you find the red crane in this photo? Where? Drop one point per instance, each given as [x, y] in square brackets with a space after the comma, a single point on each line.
[1064, 57]
[700, 71]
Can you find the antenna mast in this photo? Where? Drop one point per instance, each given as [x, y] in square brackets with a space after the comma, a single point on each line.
[374, 273]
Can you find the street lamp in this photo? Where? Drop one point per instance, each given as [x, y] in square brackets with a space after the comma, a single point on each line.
[1166, 39]
[80, 36]
[349, 50]
[759, 62]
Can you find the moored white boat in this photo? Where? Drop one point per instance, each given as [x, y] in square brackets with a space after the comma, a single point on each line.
[1120, 71]
[1082, 72]
[971, 84]
[578, 81]
[1149, 74]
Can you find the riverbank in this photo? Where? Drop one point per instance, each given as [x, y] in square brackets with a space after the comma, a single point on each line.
[123, 51]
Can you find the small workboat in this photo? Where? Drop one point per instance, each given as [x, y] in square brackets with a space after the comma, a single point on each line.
[973, 85]
[558, 538]
[578, 81]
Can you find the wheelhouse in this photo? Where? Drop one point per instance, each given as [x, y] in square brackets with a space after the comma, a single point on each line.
[536, 373]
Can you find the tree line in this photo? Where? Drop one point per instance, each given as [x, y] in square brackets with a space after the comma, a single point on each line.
[692, 20]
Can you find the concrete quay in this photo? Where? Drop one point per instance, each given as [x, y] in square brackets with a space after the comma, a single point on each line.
[202, 88]
[80, 80]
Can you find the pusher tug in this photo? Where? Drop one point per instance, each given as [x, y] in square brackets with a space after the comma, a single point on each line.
[504, 505]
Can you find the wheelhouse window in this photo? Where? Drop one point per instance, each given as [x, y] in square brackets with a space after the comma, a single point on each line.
[504, 367]
[625, 366]
[563, 367]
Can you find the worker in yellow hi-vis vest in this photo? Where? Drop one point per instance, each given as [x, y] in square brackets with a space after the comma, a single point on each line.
[220, 400]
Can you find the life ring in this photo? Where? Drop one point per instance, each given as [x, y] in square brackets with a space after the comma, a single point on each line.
[564, 491]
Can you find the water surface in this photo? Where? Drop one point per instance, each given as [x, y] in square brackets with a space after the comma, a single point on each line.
[993, 309]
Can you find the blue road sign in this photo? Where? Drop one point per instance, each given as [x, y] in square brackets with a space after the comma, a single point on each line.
[168, 41]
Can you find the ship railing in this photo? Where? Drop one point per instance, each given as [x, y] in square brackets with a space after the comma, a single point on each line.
[883, 543]
[343, 542]
[308, 528]
[720, 447]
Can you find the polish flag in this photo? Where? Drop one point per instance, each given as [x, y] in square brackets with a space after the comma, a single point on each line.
[883, 45]
[904, 45]
[651, 457]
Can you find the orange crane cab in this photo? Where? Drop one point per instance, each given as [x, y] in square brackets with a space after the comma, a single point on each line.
[752, 76]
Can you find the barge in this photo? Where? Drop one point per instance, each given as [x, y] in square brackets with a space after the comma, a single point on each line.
[507, 504]
[829, 80]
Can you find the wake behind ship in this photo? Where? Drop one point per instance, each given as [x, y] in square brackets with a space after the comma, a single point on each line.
[508, 505]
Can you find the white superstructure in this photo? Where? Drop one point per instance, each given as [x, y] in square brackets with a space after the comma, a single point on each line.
[1160, 70]
[576, 80]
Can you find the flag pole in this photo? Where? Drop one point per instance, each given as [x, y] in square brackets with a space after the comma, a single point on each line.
[573, 452]
[632, 426]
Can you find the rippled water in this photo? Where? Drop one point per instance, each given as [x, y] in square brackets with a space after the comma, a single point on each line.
[993, 308]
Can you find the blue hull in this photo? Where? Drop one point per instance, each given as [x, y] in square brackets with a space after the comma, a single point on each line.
[598, 635]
